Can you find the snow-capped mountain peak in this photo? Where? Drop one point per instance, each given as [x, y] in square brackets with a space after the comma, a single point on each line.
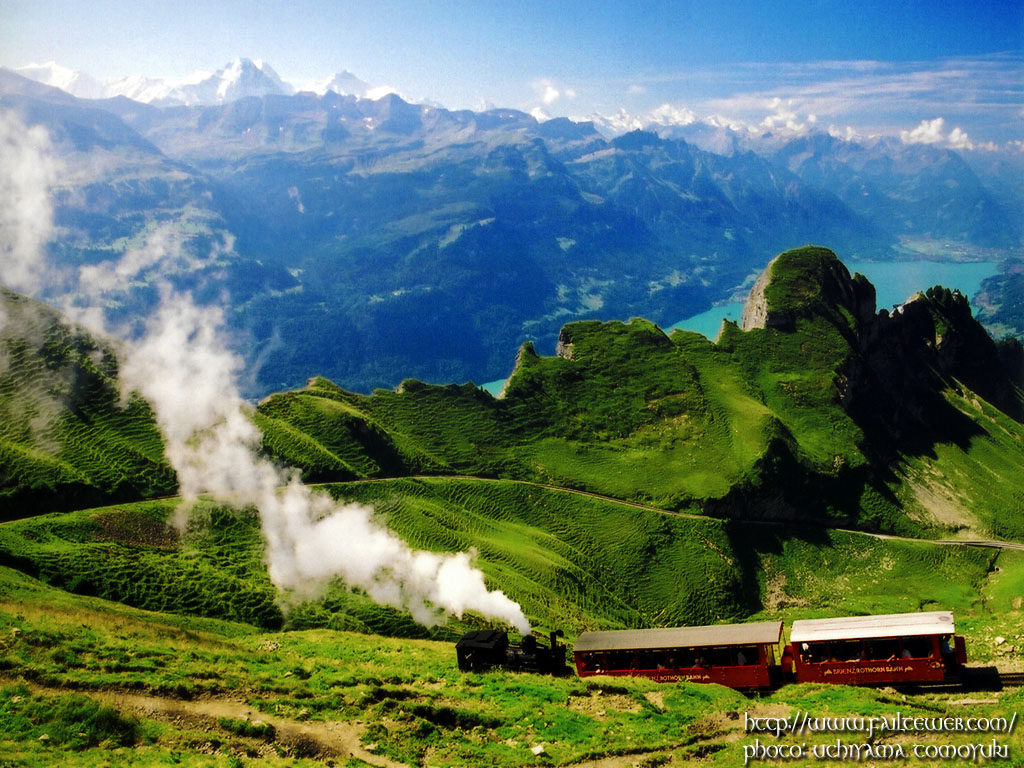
[235, 80]
[343, 83]
[245, 77]
[53, 74]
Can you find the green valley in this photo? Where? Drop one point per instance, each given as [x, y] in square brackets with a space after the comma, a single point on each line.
[820, 459]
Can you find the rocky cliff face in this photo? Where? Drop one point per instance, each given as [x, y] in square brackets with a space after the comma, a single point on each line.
[804, 282]
[897, 365]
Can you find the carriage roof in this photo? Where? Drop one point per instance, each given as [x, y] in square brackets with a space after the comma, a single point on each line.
[870, 627]
[681, 637]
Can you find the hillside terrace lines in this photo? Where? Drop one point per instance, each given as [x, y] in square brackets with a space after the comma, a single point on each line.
[988, 543]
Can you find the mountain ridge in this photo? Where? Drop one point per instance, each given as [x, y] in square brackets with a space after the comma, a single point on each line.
[426, 242]
[831, 402]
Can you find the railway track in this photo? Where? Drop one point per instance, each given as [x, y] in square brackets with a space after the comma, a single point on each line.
[990, 679]
[974, 680]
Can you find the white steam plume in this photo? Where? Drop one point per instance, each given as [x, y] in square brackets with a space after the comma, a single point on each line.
[183, 367]
[185, 370]
[27, 171]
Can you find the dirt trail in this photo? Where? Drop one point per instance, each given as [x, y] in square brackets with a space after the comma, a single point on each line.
[331, 739]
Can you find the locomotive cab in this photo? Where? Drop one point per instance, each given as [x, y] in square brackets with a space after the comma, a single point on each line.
[490, 648]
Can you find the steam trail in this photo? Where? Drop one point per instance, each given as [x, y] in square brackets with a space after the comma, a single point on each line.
[27, 171]
[184, 368]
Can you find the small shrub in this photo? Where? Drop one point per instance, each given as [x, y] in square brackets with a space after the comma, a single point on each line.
[248, 729]
[71, 722]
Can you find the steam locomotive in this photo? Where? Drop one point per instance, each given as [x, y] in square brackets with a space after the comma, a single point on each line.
[489, 648]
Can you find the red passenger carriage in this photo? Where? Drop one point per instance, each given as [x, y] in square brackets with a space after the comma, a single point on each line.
[734, 655]
[893, 648]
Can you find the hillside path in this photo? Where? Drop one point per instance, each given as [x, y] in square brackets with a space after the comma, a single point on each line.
[332, 738]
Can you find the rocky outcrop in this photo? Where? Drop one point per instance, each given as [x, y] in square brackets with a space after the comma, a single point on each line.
[898, 366]
[755, 309]
[803, 282]
[564, 347]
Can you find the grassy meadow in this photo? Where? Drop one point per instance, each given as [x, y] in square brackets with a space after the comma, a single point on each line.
[636, 479]
[91, 682]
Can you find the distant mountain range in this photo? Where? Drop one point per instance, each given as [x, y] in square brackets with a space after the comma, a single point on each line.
[369, 240]
[239, 79]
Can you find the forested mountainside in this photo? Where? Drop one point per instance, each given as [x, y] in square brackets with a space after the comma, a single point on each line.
[426, 242]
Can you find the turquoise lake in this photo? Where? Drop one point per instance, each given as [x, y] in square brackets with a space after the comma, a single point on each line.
[894, 281]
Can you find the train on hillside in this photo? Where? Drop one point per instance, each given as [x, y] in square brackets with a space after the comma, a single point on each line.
[891, 649]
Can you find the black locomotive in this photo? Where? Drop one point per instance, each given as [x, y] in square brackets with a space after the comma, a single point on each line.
[485, 649]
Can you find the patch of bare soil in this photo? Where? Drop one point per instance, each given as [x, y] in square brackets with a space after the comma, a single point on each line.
[597, 704]
[314, 739]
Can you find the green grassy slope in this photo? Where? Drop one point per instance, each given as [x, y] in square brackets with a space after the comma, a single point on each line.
[66, 437]
[205, 692]
[826, 414]
[572, 561]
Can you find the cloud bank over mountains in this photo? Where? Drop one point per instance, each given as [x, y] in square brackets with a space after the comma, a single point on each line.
[963, 103]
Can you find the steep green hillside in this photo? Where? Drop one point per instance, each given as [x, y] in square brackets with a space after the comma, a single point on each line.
[201, 690]
[112, 685]
[67, 437]
[820, 410]
[572, 560]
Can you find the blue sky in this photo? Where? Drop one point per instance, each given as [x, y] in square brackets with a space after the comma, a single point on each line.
[873, 65]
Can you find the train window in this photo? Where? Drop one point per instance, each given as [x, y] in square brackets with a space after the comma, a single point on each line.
[846, 650]
[916, 647]
[814, 653]
[652, 659]
[686, 658]
[746, 655]
[720, 657]
[883, 649]
[620, 659]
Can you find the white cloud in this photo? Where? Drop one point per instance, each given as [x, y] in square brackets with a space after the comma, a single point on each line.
[539, 114]
[847, 134]
[28, 171]
[933, 132]
[636, 90]
[928, 132]
[668, 114]
[546, 90]
[958, 139]
[981, 95]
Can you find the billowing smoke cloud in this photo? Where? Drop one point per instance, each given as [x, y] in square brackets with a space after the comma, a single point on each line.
[183, 366]
[27, 172]
[184, 369]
